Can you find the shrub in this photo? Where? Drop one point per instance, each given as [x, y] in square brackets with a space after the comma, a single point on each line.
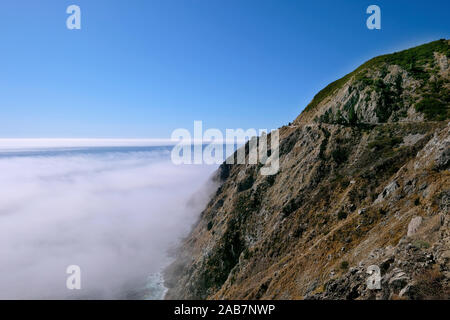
[352, 117]
[324, 143]
[223, 259]
[344, 183]
[433, 109]
[387, 101]
[430, 285]
[246, 204]
[246, 184]
[299, 231]
[344, 265]
[271, 179]
[342, 215]
[224, 171]
[384, 142]
[288, 144]
[339, 155]
[292, 206]
[421, 244]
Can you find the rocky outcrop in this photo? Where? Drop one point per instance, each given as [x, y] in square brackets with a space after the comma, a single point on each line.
[364, 181]
[414, 226]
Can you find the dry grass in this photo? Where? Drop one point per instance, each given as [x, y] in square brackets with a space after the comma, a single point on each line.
[430, 286]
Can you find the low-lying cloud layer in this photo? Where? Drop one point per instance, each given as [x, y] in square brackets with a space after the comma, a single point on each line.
[114, 214]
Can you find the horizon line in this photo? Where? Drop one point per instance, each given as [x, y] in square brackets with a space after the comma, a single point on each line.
[18, 143]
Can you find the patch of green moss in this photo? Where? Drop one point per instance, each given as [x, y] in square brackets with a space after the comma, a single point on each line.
[421, 244]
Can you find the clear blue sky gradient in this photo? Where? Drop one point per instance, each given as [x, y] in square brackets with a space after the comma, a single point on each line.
[140, 69]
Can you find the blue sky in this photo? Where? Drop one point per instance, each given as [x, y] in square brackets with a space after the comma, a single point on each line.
[140, 69]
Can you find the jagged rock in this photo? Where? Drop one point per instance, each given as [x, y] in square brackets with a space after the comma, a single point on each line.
[388, 190]
[414, 225]
[405, 291]
[412, 139]
[312, 287]
[409, 187]
[398, 280]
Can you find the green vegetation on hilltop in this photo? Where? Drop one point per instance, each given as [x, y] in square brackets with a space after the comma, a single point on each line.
[412, 60]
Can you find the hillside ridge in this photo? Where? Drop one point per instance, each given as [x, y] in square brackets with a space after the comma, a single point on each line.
[364, 180]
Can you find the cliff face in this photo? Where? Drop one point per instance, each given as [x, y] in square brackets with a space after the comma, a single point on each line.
[364, 180]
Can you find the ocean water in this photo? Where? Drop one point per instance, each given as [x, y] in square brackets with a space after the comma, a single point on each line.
[154, 287]
[116, 212]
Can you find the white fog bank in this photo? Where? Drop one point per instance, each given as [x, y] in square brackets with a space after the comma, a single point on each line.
[114, 214]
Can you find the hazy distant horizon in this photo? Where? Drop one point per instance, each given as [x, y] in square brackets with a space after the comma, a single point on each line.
[30, 143]
[6, 143]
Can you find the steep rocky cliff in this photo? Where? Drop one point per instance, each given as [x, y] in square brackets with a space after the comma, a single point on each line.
[364, 180]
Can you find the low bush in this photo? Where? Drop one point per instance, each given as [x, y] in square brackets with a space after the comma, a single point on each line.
[342, 215]
[344, 265]
[433, 109]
